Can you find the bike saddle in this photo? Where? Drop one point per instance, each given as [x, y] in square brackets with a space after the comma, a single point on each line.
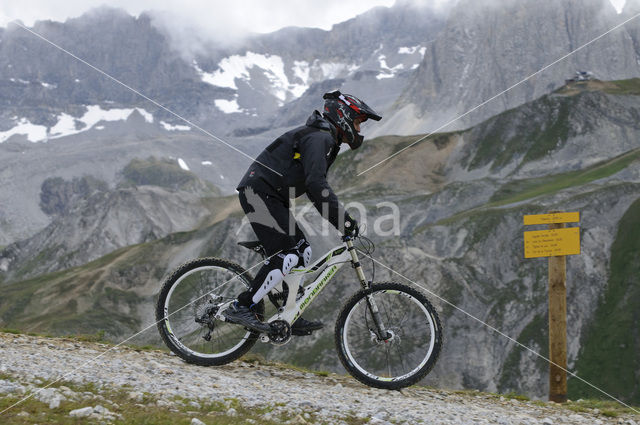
[254, 245]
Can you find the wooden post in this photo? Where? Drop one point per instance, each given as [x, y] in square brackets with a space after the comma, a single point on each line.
[558, 325]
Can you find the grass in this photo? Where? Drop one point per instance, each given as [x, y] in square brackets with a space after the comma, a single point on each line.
[514, 133]
[535, 333]
[157, 172]
[524, 190]
[520, 190]
[609, 354]
[624, 87]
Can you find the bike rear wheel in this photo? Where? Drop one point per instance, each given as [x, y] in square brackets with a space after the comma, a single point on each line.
[188, 301]
[410, 349]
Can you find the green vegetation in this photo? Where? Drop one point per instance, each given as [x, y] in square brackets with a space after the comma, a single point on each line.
[624, 87]
[520, 190]
[43, 256]
[608, 408]
[502, 141]
[534, 334]
[609, 353]
[157, 172]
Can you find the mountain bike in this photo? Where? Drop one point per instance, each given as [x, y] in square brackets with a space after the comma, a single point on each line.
[387, 335]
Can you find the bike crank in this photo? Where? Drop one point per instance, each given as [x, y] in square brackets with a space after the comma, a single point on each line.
[280, 333]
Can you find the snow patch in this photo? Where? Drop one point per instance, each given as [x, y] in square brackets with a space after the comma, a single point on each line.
[238, 67]
[221, 176]
[334, 69]
[66, 124]
[408, 50]
[48, 86]
[301, 71]
[147, 116]
[207, 163]
[228, 106]
[176, 127]
[183, 164]
[386, 71]
[99, 127]
[411, 50]
[34, 132]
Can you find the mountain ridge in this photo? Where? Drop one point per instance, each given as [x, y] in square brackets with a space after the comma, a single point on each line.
[448, 237]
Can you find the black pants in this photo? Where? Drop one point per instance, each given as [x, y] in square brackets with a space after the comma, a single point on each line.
[275, 227]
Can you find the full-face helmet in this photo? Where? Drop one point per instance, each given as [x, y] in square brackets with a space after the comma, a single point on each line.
[342, 110]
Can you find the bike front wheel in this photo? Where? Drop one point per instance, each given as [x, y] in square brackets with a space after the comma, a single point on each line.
[409, 349]
[187, 304]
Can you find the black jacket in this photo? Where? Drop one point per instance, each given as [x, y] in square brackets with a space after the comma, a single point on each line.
[303, 156]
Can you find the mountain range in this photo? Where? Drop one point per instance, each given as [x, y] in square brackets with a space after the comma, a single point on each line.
[462, 196]
[104, 193]
[420, 67]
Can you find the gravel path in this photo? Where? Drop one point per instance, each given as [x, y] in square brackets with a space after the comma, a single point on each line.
[330, 397]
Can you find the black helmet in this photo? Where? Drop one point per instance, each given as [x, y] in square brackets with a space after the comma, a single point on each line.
[341, 110]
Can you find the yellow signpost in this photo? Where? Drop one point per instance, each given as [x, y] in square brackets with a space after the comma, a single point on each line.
[555, 243]
[549, 243]
[570, 217]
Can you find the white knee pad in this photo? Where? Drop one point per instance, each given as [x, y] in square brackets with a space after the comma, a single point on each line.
[306, 256]
[289, 262]
[273, 278]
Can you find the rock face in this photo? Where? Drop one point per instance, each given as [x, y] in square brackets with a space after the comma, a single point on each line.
[486, 47]
[89, 220]
[87, 124]
[419, 66]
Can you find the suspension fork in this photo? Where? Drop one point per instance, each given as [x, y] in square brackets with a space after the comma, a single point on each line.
[380, 331]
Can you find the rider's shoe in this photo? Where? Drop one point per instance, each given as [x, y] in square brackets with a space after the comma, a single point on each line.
[243, 315]
[305, 327]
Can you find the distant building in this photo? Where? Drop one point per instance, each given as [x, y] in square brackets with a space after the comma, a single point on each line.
[580, 76]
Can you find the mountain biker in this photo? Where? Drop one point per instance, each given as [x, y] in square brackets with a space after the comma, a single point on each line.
[294, 164]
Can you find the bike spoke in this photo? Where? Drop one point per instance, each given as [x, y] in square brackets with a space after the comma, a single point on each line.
[409, 346]
[195, 296]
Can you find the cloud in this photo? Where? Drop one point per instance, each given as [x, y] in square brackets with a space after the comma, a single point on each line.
[210, 18]
[195, 24]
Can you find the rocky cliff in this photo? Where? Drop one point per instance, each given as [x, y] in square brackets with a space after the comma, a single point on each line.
[153, 199]
[418, 65]
[486, 47]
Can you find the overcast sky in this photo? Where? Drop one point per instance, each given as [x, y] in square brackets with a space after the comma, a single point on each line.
[246, 15]
[214, 18]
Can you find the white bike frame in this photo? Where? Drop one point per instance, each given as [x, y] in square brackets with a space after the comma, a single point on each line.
[332, 261]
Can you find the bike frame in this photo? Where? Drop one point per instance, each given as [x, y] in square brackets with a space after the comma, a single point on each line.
[332, 261]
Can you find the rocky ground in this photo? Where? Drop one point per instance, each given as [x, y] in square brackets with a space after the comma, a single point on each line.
[106, 384]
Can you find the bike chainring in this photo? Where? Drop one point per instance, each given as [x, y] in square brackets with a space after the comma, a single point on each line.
[280, 332]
